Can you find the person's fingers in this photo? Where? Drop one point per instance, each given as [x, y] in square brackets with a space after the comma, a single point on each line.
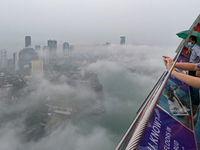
[167, 59]
[165, 56]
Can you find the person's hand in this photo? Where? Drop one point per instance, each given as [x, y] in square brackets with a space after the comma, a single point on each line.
[169, 62]
[188, 52]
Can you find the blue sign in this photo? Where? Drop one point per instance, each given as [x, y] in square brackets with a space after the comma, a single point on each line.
[165, 133]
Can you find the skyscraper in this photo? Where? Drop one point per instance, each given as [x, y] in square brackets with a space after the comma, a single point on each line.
[45, 55]
[16, 60]
[26, 55]
[71, 49]
[65, 49]
[52, 44]
[27, 41]
[122, 40]
[3, 58]
[37, 47]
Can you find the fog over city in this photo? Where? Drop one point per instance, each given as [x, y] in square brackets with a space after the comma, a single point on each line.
[127, 74]
[67, 79]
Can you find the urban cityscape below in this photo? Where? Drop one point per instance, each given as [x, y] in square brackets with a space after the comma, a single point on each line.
[22, 76]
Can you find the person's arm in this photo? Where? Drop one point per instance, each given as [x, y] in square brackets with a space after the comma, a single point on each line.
[186, 66]
[182, 66]
[190, 80]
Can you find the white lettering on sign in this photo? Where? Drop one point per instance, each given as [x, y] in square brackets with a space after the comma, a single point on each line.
[151, 147]
[154, 135]
[176, 145]
[167, 139]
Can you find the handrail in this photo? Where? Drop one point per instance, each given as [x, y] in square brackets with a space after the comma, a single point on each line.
[149, 97]
[136, 137]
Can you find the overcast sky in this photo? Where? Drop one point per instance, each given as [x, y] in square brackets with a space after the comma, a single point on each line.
[153, 22]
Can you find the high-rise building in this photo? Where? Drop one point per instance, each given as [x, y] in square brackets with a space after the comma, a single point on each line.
[26, 55]
[16, 60]
[65, 49]
[3, 58]
[71, 49]
[52, 44]
[45, 55]
[36, 65]
[27, 41]
[37, 47]
[122, 39]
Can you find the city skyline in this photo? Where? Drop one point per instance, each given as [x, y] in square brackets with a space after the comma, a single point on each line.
[51, 44]
[91, 23]
[56, 46]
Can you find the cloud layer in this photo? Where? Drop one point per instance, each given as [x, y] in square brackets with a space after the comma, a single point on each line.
[127, 74]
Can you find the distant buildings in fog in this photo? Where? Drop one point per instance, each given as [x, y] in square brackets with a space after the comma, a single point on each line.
[16, 60]
[27, 41]
[37, 47]
[26, 55]
[24, 58]
[52, 44]
[108, 43]
[65, 49]
[45, 55]
[3, 58]
[71, 47]
[122, 40]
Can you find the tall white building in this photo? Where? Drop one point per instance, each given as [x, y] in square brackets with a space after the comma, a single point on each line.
[3, 58]
[45, 55]
[16, 60]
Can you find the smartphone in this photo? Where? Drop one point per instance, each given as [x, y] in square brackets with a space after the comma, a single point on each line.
[165, 62]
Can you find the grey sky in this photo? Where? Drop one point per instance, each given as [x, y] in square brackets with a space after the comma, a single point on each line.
[94, 21]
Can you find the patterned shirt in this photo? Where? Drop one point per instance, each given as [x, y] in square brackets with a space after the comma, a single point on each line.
[195, 54]
[198, 65]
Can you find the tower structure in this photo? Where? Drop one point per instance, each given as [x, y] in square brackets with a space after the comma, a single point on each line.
[122, 40]
[52, 44]
[65, 49]
[27, 41]
[71, 49]
[37, 47]
[45, 55]
[16, 60]
[26, 55]
[3, 58]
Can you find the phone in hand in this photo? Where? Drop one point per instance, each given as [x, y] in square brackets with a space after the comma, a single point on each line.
[165, 62]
